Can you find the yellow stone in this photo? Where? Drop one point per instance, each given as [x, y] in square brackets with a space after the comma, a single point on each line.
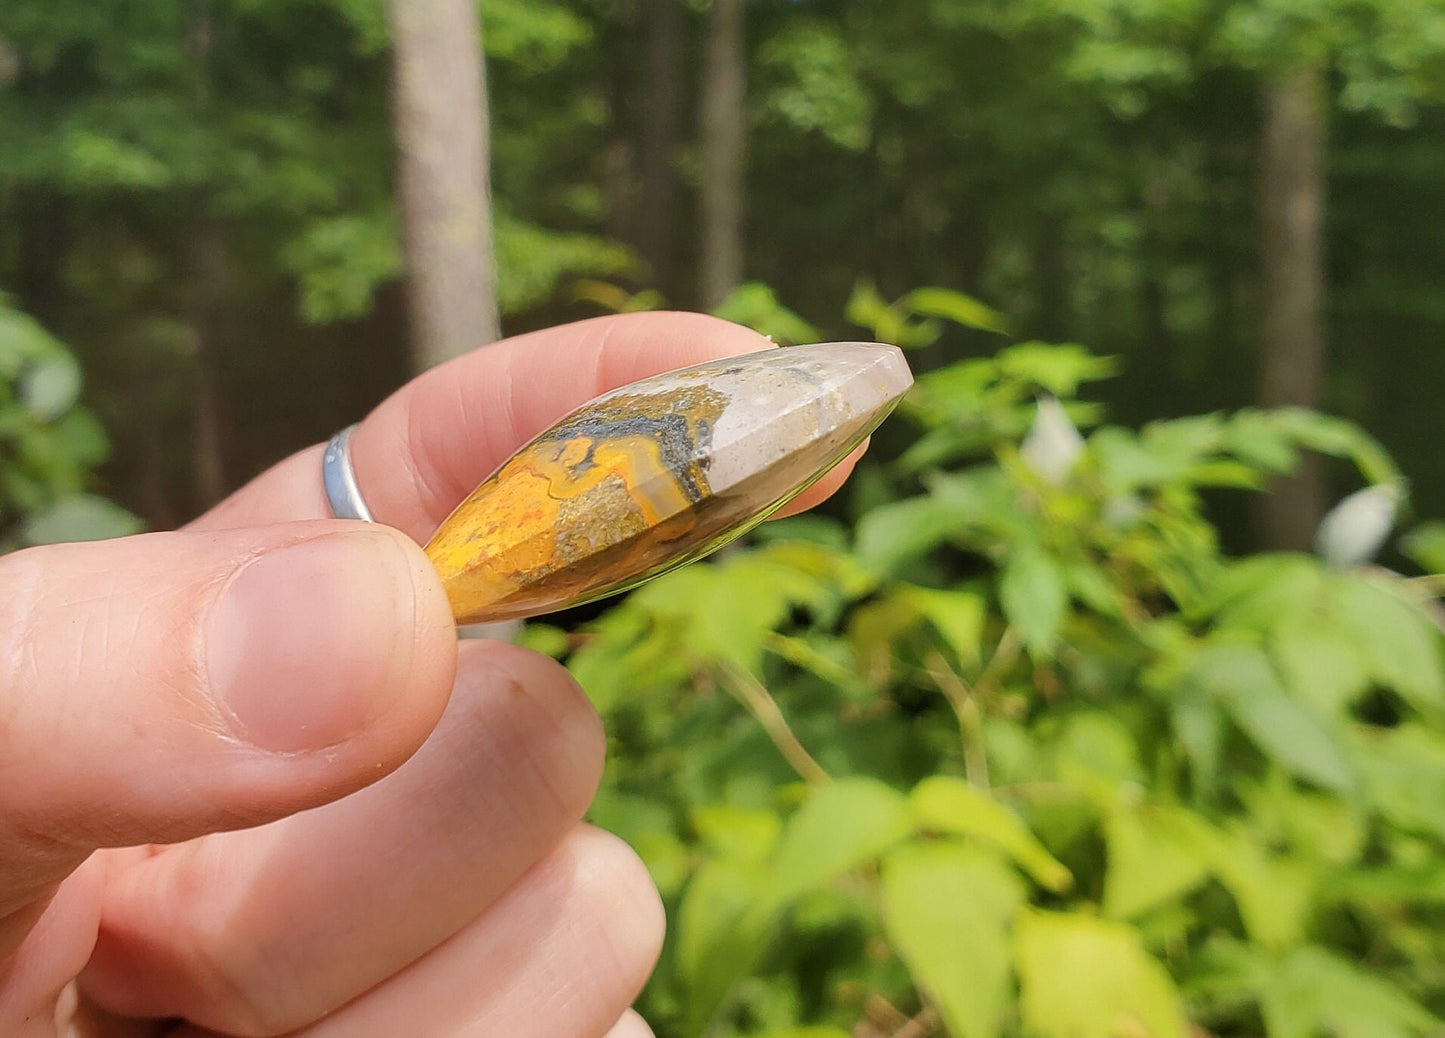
[658, 473]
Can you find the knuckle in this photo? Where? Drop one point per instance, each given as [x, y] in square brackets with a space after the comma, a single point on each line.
[241, 995]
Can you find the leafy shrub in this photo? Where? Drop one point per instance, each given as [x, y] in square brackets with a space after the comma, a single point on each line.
[49, 444]
[1026, 752]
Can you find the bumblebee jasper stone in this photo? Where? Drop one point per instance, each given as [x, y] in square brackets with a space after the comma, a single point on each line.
[658, 473]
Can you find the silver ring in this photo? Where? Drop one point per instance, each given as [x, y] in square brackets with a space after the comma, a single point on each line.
[339, 479]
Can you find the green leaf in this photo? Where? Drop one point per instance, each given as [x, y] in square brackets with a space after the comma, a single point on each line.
[960, 309]
[754, 305]
[1404, 776]
[23, 340]
[728, 611]
[533, 261]
[340, 262]
[1275, 895]
[1240, 678]
[729, 912]
[1400, 647]
[78, 434]
[1083, 977]
[667, 859]
[949, 805]
[546, 639]
[720, 934]
[1199, 726]
[1319, 663]
[50, 385]
[1033, 590]
[1339, 438]
[1254, 593]
[958, 617]
[893, 534]
[947, 908]
[1425, 545]
[840, 826]
[79, 517]
[867, 309]
[1312, 991]
[736, 832]
[1153, 858]
[815, 83]
[536, 36]
[1058, 369]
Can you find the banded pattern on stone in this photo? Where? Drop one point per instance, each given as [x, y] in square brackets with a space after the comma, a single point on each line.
[658, 473]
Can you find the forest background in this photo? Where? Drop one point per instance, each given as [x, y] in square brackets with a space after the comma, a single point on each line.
[1063, 691]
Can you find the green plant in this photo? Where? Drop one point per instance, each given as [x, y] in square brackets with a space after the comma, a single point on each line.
[1027, 752]
[48, 444]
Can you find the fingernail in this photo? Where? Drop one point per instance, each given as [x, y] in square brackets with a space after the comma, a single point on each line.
[308, 642]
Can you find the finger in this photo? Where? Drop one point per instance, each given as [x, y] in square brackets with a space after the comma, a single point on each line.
[433, 441]
[33, 983]
[264, 931]
[826, 486]
[631, 1026]
[159, 687]
[564, 952]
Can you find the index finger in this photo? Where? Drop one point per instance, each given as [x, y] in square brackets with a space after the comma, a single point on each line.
[434, 440]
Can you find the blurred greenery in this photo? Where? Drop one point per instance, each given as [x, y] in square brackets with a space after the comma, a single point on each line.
[49, 443]
[198, 198]
[1025, 752]
[1017, 737]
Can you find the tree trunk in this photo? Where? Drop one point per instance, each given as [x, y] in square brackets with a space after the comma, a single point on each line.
[42, 224]
[1049, 269]
[723, 150]
[662, 98]
[208, 276]
[1292, 322]
[443, 166]
[206, 260]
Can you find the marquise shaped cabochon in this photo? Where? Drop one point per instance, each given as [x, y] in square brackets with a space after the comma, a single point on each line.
[658, 473]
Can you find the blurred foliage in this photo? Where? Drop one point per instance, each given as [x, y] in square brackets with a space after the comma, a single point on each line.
[209, 186]
[1024, 751]
[49, 444]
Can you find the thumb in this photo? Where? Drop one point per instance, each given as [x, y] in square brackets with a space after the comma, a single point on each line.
[156, 688]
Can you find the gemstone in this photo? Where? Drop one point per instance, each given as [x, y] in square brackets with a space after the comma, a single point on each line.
[658, 473]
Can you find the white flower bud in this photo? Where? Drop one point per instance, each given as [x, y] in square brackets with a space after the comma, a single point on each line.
[1053, 446]
[1353, 531]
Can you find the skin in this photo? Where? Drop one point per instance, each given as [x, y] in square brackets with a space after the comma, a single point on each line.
[250, 785]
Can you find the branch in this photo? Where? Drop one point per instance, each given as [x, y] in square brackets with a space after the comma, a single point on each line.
[970, 720]
[749, 691]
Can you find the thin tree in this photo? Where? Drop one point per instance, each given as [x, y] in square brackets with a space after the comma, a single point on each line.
[724, 89]
[662, 103]
[1292, 341]
[443, 165]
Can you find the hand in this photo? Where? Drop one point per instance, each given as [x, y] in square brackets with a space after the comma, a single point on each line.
[250, 786]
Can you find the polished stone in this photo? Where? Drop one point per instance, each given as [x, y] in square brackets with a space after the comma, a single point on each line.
[658, 473]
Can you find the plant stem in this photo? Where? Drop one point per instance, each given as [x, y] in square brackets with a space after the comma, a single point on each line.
[749, 691]
[970, 721]
[1004, 657]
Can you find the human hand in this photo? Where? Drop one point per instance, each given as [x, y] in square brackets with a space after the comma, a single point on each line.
[250, 786]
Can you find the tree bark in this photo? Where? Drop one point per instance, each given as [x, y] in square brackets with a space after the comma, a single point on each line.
[723, 152]
[1052, 276]
[206, 258]
[662, 98]
[443, 166]
[1292, 254]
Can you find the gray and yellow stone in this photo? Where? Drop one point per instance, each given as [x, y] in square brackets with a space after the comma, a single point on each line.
[658, 473]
